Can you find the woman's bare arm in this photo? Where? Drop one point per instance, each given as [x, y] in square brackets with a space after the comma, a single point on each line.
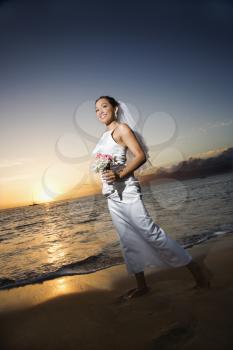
[130, 140]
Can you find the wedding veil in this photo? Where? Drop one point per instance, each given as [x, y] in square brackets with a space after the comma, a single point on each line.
[124, 116]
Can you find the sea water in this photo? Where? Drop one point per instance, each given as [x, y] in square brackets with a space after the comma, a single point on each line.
[77, 236]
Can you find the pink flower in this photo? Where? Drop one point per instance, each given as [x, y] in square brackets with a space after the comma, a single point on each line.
[104, 156]
[102, 161]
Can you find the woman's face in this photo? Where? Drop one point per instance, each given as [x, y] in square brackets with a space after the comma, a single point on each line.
[104, 111]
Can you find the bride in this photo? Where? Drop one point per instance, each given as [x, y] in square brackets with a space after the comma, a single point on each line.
[143, 242]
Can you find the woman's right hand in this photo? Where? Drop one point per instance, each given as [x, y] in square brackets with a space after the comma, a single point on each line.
[110, 176]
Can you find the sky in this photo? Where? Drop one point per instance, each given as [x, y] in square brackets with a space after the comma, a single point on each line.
[170, 61]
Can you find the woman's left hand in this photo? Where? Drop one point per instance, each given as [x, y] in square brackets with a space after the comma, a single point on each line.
[110, 176]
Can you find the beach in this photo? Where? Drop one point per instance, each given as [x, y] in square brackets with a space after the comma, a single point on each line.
[82, 312]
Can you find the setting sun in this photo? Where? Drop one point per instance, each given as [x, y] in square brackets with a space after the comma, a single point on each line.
[40, 196]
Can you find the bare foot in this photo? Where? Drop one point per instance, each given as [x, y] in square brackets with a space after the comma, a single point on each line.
[205, 278]
[129, 292]
[124, 296]
[134, 292]
[201, 274]
[137, 292]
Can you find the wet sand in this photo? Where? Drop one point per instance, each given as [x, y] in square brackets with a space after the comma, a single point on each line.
[81, 312]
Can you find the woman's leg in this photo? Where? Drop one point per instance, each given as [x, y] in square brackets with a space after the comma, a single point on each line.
[200, 273]
[141, 281]
[141, 288]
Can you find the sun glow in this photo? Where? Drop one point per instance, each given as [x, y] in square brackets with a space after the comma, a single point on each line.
[40, 196]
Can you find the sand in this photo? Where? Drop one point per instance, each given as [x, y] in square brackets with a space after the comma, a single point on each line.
[80, 312]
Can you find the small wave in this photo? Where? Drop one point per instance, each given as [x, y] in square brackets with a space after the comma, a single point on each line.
[31, 224]
[98, 262]
[88, 265]
[193, 240]
[86, 221]
[5, 238]
[220, 233]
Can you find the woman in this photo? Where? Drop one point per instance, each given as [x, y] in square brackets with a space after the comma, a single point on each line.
[143, 242]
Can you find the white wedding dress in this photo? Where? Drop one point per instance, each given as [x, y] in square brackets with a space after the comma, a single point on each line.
[143, 242]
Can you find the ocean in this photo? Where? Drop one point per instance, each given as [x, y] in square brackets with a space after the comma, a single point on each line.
[77, 236]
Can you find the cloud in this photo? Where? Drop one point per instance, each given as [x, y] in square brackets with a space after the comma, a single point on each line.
[211, 153]
[217, 124]
[8, 163]
[219, 161]
[220, 124]
[14, 178]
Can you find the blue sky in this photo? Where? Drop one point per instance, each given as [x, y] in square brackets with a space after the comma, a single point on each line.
[172, 59]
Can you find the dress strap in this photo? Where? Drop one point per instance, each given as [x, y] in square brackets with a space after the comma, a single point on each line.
[116, 143]
[111, 133]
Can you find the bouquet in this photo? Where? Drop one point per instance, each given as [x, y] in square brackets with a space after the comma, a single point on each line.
[102, 162]
[107, 162]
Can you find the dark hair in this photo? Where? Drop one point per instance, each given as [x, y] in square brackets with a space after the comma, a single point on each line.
[110, 99]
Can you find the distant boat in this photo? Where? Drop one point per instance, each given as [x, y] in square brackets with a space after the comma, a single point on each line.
[33, 202]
